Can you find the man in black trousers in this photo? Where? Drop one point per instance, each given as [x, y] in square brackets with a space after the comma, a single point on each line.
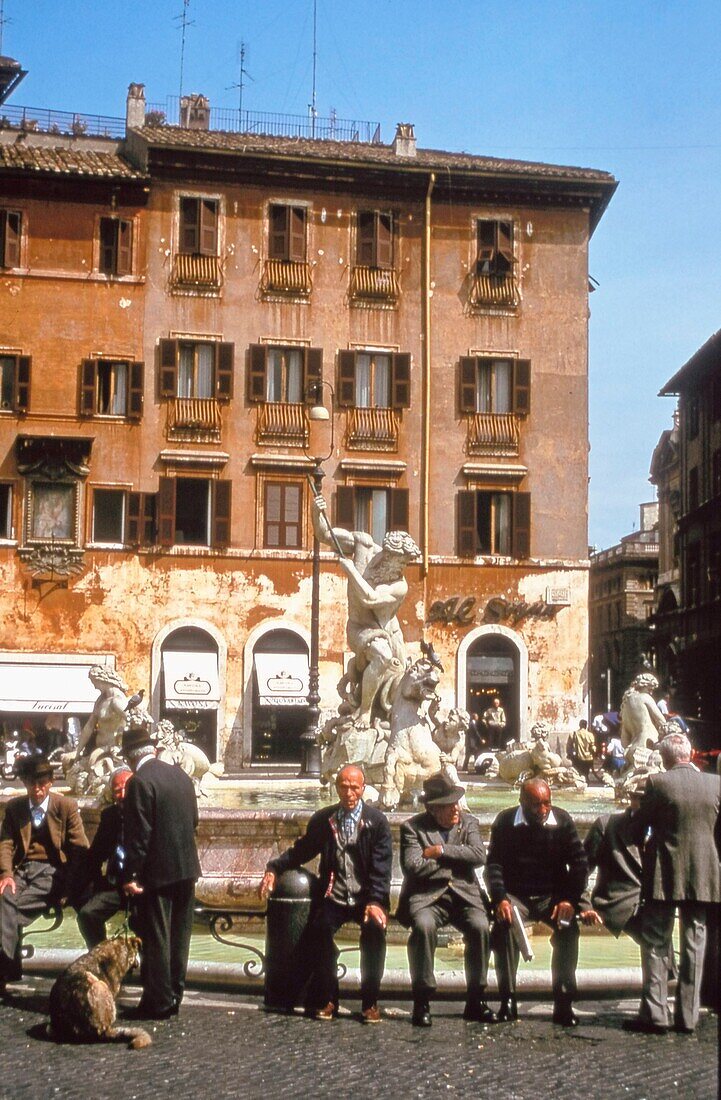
[537, 865]
[103, 896]
[161, 868]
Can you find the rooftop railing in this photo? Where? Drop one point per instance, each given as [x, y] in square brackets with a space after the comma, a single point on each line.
[65, 123]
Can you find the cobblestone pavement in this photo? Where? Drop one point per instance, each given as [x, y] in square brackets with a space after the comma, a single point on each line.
[224, 1046]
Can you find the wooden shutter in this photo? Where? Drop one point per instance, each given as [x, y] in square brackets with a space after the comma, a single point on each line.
[278, 232]
[397, 509]
[88, 386]
[504, 247]
[467, 539]
[401, 380]
[522, 387]
[108, 241]
[365, 242]
[272, 513]
[297, 220]
[124, 264]
[292, 500]
[384, 241]
[135, 390]
[208, 227]
[189, 226]
[486, 241]
[166, 510]
[220, 522]
[149, 529]
[345, 507]
[22, 386]
[12, 235]
[134, 519]
[313, 375]
[346, 378]
[467, 375]
[224, 359]
[256, 372]
[168, 368]
[521, 544]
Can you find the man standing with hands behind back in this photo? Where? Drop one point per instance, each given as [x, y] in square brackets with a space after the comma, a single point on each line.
[161, 867]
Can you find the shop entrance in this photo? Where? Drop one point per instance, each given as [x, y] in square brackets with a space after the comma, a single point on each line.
[190, 687]
[492, 672]
[280, 689]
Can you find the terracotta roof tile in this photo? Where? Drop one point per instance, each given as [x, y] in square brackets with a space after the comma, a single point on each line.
[24, 157]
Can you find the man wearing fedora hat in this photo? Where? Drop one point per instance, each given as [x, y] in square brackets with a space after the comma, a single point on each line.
[42, 843]
[440, 851]
[160, 816]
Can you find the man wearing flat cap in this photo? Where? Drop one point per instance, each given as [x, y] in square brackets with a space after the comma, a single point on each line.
[440, 852]
[42, 843]
[160, 816]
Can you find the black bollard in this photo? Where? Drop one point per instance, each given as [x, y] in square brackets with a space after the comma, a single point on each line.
[286, 962]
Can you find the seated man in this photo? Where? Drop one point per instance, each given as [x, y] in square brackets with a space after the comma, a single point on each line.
[104, 898]
[354, 843]
[536, 863]
[42, 841]
[440, 850]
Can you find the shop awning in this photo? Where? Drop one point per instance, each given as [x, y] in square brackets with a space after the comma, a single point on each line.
[282, 679]
[191, 680]
[46, 688]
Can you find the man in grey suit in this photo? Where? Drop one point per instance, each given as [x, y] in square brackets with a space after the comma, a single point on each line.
[681, 872]
[440, 851]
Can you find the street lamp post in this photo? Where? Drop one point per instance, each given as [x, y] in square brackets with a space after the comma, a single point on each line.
[310, 749]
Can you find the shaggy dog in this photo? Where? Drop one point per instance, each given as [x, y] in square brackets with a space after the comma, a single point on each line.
[82, 1000]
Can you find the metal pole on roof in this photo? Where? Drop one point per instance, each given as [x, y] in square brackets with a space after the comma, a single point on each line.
[313, 111]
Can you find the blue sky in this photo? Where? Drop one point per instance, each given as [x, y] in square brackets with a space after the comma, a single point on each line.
[629, 86]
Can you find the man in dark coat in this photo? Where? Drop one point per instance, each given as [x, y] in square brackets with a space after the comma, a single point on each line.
[161, 868]
[354, 843]
[680, 872]
[103, 896]
[42, 843]
[440, 851]
[537, 866]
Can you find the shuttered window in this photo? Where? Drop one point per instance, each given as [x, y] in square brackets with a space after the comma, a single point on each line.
[6, 510]
[282, 514]
[374, 380]
[287, 232]
[10, 238]
[116, 236]
[198, 226]
[109, 516]
[494, 385]
[370, 509]
[490, 522]
[286, 374]
[15, 383]
[194, 511]
[202, 369]
[111, 387]
[495, 247]
[374, 241]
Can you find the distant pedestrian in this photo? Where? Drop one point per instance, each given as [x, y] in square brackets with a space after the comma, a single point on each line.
[494, 720]
[473, 740]
[615, 755]
[583, 748]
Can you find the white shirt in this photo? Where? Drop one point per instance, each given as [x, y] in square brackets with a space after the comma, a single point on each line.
[521, 819]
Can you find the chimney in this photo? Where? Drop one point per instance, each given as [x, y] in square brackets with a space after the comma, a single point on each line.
[195, 112]
[135, 107]
[404, 143]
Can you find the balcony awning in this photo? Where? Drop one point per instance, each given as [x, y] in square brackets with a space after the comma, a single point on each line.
[191, 680]
[46, 687]
[282, 679]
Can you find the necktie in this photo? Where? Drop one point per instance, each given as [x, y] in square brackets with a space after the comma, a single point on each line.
[38, 816]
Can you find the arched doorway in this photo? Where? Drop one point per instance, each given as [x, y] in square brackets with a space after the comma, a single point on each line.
[493, 663]
[190, 686]
[279, 697]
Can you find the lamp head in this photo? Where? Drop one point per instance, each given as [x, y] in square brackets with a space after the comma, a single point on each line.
[318, 412]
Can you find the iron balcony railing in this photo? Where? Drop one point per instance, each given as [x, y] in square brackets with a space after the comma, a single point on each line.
[493, 434]
[494, 290]
[374, 282]
[286, 277]
[196, 271]
[194, 419]
[282, 422]
[372, 430]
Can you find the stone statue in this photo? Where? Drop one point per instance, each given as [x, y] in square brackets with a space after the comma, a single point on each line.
[107, 720]
[641, 720]
[175, 750]
[535, 759]
[450, 734]
[376, 589]
[343, 742]
[646, 761]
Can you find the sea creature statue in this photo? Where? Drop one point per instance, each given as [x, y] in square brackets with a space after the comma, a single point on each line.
[535, 759]
[87, 772]
[412, 754]
[646, 761]
[641, 720]
[450, 733]
[343, 742]
[175, 750]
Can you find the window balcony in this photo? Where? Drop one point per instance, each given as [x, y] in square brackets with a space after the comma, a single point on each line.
[194, 420]
[372, 430]
[195, 272]
[286, 277]
[493, 434]
[374, 284]
[494, 290]
[282, 423]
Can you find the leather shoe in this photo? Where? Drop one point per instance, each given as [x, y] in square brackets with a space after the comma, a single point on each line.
[421, 1014]
[643, 1027]
[564, 1016]
[371, 1015]
[508, 1011]
[477, 1011]
[328, 1012]
[140, 1012]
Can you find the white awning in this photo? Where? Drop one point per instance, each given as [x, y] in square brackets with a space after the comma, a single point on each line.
[191, 680]
[46, 688]
[282, 679]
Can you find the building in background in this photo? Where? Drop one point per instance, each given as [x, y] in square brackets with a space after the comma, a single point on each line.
[695, 625]
[622, 583]
[665, 474]
[172, 301]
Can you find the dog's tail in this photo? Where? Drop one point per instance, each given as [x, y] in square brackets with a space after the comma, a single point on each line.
[135, 1037]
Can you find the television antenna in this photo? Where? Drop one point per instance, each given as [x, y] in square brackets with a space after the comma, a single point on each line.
[183, 23]
[313, 109]
[242, 73]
